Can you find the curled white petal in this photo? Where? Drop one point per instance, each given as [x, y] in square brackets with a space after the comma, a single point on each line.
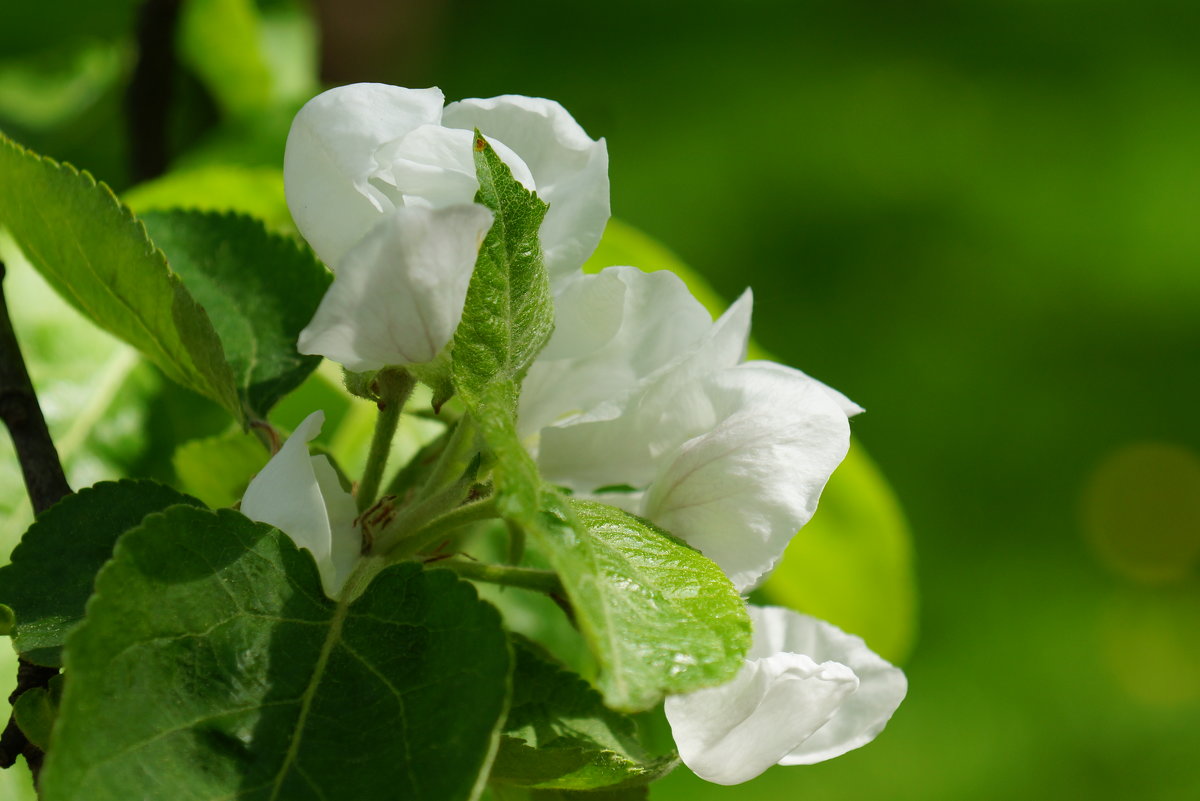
[329, 159]
[300, 495]
[807, 692]
[882, 686]
[569, 168]
[741, 490]
[399, 293]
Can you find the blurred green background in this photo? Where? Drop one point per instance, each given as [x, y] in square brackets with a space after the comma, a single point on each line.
[976, 219]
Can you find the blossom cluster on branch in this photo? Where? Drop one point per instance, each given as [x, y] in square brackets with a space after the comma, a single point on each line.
[638, 400]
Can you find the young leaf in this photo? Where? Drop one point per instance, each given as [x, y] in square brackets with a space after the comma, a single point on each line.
[36, 709]
[221, 42]
[259, 290]
[52, 570]
[509, 314]
[269, 690]
[98, 256]
[658, 616]
[559, 735]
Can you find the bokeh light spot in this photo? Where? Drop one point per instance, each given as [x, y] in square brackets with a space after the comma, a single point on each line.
[1141, 512]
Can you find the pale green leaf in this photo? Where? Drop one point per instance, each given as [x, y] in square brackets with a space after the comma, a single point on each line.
[98, 256]
[218, 469]
[257, 191]
[221, 42]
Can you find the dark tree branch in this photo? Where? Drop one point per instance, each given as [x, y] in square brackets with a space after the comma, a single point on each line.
[149, 96]
[46, 484]
[44, 478]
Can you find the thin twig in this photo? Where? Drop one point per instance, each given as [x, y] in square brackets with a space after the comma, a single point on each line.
[149, 94]
[46, 485]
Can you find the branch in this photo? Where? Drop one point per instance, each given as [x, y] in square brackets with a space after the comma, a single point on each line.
[44, 479]
[45, 483]
[149, 94]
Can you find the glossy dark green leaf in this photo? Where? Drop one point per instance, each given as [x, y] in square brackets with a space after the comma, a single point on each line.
[259, 289]
[559, 734]
[509, 314]
[55, 565]
[95, 254]
[263, 688]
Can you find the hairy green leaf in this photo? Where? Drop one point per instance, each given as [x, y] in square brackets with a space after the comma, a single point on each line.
[559, 735]
[52, 570]
[98, 256]
[508, 314]
[658, 616]
[259, 289]
[269, 691]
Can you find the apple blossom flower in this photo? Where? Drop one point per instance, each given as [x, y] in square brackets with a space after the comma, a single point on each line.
[807, 692]
[640, 400]
[399, 291]
[356, 153]
[301, 496]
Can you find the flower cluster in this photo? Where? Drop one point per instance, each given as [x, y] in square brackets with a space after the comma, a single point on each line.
[639, 399]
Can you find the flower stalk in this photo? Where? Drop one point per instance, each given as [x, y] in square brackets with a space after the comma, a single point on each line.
[526, 578]
[393, 387]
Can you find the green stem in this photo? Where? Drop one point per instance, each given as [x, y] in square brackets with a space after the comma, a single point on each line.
[455, 458]
[526, 578]
[402, 541]
[394, 386]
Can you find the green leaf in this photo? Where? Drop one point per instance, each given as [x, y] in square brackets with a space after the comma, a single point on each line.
[221, 42]
[658, 616]
[218, 469]
[852, 563]
[259, 289]
[36, 709]
[268, 690]
[257, 191]
[98, 256]
[559, 734]
[508, 793]
[52, 570]
[508, 315]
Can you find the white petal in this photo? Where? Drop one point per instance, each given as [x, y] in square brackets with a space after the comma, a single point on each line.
[398, 295]
[569, 168]
[330, 159]
[612, 330]
[286, 495]
[621, 440]
[345, 544]
[742, 489]
[732, 733]
[863, 715]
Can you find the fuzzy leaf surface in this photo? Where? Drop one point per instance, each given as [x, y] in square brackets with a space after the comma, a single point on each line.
[509, 314]
[55, 565]
[95, 254]
[260, 289]
[658, 616]
[270, 691]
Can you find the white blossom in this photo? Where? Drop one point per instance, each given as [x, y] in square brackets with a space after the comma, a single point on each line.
[806, 693]
[356, 153]
[640, 390]
[301, 496]
[398, 293]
